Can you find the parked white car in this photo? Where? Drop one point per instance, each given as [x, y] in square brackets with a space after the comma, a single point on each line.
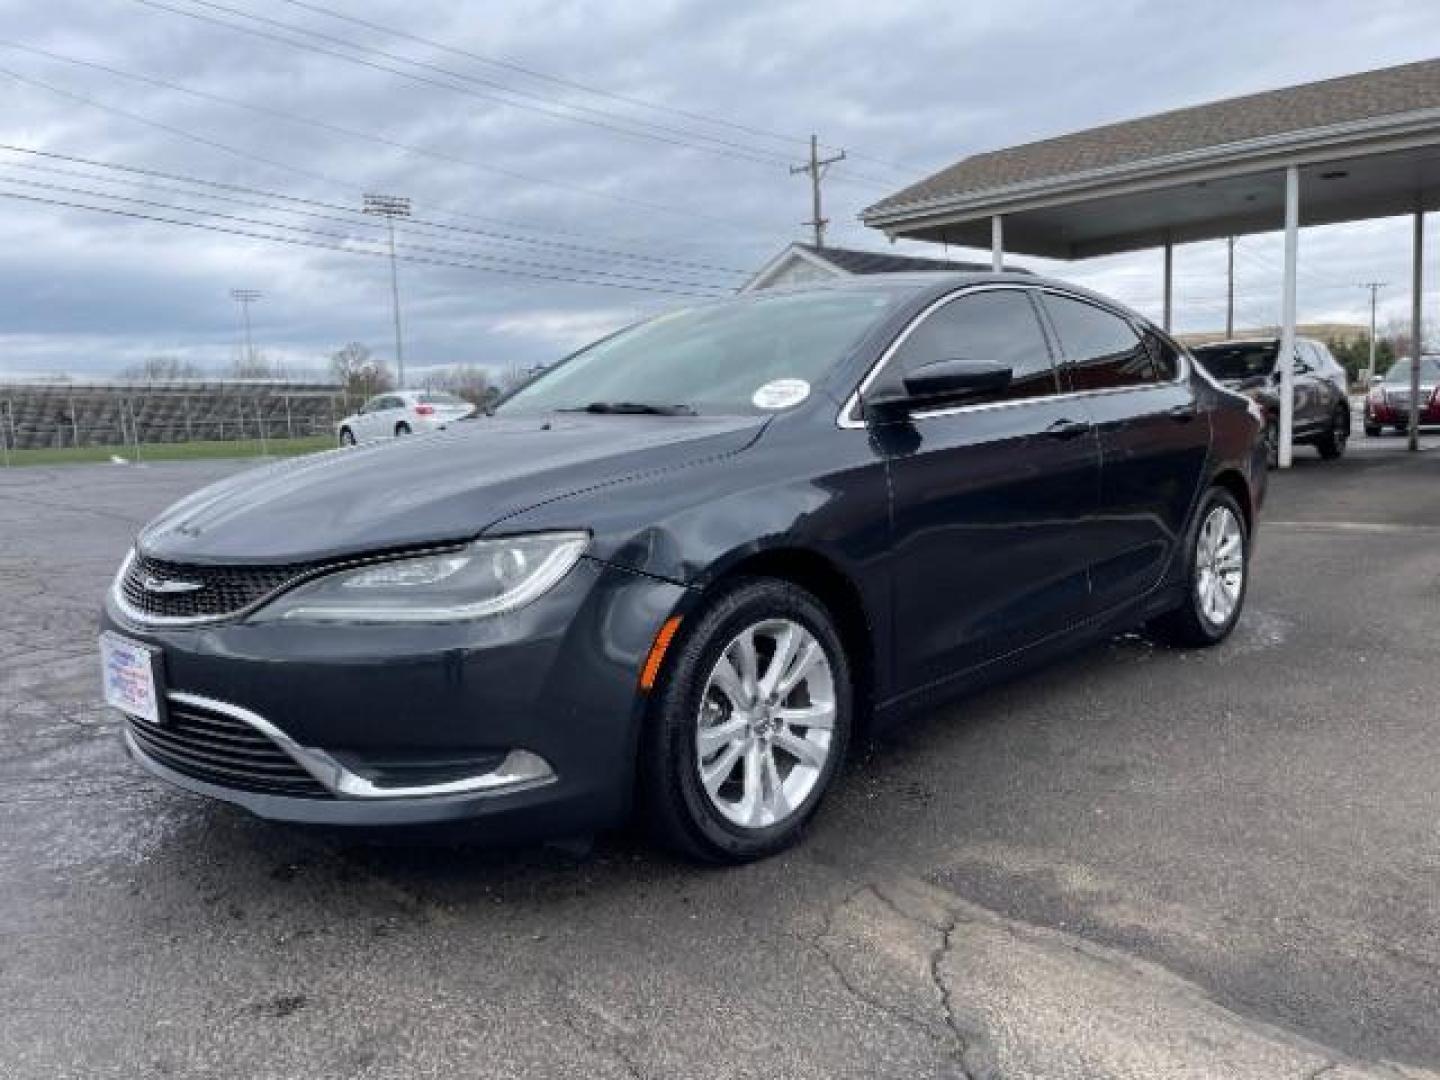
[402, 412]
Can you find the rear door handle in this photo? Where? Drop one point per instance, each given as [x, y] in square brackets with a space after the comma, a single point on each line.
[1067, 429]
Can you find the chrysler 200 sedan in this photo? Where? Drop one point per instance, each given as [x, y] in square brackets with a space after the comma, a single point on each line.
[681, 571]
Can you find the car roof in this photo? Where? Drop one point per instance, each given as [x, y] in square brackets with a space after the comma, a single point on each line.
[933, 284]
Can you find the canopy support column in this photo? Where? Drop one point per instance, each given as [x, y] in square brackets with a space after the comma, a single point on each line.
[997, 243]
[1417, 342]
[1286, 360]
[1168, 285]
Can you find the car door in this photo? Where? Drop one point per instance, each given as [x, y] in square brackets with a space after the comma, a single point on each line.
[390, 412]
[365, 419]
[1153, 441]
[991, 496]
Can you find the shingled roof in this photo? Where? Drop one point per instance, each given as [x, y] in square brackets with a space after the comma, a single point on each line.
[1386, 92]
[853, 261]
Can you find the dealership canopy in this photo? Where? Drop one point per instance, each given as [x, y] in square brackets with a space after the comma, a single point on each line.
[1356, 147]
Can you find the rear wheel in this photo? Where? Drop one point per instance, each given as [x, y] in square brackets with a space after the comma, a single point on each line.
[1332, 444]
[1372, 431]
[748, 726]
[347, 437]
[1272, 445]
[1217, 574]
[402, 428]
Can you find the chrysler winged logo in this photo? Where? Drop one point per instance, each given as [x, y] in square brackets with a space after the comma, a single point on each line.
[151, 583]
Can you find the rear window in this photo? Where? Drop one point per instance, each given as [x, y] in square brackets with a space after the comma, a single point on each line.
[440, 397]
[1238, 361]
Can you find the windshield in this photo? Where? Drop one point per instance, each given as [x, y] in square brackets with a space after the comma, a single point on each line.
[750, 355]
[1400, 370]
[1238, 361]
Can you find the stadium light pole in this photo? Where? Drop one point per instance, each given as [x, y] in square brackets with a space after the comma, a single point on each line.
[391, 207]
[246, 297]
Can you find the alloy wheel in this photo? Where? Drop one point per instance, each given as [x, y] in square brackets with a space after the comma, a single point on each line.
[1219, 565]
[765, 725]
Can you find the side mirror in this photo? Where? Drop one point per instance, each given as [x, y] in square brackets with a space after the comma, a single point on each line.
[940, 381]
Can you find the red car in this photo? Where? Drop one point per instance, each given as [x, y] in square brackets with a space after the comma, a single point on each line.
[1388, 403]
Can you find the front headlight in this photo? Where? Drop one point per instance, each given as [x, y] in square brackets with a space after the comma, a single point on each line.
[487, 577]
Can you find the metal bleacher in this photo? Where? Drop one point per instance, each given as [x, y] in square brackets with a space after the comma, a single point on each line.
[59, 413]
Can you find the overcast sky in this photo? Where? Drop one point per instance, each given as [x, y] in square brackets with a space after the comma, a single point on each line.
[517, 164]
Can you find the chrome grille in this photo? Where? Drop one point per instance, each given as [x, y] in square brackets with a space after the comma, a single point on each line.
[221, 750]
[222, 590]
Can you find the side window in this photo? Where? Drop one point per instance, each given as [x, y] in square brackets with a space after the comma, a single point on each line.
[998, 325]
[1163, 354]
[1101, 350]
[373, 405]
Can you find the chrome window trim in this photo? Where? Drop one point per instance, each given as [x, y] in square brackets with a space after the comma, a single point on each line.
[519, 770]
[847, 419]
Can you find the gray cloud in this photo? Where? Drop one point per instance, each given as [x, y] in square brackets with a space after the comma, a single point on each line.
[920, 84]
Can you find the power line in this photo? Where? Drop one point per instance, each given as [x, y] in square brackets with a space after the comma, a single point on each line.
[572, 84]
[343, 214]
[309, 122]
[658, 134]
[462, 260]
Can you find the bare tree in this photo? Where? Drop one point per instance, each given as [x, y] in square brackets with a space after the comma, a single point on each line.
[468, 381]
[356, 369]
[254, 366]
[163, 369]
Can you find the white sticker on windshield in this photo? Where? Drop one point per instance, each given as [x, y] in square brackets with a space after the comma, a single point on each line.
[781, 394]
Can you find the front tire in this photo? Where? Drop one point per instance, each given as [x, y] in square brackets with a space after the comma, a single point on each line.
[347, 437]
[402, 428]
[1332, 444]
[748, 725]
[1217, 574]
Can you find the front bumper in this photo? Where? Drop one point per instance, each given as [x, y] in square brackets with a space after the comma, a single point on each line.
[526, 721]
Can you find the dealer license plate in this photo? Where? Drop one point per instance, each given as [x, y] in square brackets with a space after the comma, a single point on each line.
[130, 674]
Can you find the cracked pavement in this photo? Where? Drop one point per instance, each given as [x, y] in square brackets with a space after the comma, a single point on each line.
[1136, 863]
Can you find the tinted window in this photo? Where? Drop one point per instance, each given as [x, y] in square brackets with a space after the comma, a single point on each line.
[373, 405]
[999, 326]
[1242, 361]
[1100, 348]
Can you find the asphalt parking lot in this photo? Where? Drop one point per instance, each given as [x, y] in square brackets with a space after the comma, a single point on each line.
[1138, 863]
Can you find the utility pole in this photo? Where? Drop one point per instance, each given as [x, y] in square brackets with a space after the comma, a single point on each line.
[1230, 292]
[1374, 287]
[816, 168]
[246, 297]
[391, 207]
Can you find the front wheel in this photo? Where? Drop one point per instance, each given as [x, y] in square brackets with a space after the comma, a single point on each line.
[748, 725]
[347, 437]
[1218, 570]
[402, 428]
[1332, 444]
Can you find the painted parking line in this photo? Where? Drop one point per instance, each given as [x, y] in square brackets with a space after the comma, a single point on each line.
[1351, 526]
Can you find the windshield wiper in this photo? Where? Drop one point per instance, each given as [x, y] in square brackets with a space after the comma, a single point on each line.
[634, 407]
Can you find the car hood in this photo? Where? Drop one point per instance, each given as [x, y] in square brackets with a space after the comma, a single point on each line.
[427, 489]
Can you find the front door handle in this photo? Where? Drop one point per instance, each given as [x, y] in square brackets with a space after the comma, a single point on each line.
[1067, 429]
[1181, 414]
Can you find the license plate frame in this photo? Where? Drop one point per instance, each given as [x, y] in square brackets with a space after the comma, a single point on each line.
[132, 677]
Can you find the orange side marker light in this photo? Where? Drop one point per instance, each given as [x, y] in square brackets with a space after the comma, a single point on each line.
[651, 669]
